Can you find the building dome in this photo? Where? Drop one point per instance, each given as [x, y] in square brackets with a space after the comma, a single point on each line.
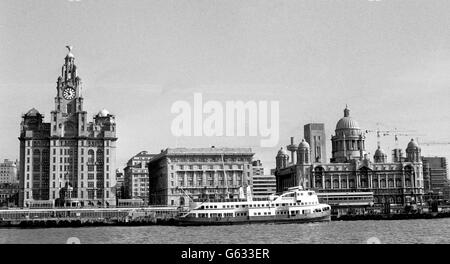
[103, 113]
[33, 112]
[303, 145]
[412, 144]
[282, 152]
[380, 152]
[347, 122]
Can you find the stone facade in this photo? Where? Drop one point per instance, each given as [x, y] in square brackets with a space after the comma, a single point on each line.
[9, 172]
[136, 180]
[351, 170]
[68, 161]
[181, 174]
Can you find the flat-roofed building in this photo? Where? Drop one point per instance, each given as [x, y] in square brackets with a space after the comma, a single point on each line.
[9, 172]
[178, 175]
[136, 181]
[435, 171]
[263, 184]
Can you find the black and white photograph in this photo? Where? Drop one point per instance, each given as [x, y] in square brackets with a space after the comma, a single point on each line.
[208, 122]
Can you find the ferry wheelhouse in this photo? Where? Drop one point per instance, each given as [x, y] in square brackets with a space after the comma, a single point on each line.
[294, 205]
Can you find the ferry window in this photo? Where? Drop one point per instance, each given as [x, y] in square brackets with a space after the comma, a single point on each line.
[215, 206]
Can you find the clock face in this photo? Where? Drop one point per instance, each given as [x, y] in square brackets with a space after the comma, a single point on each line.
[69, 93]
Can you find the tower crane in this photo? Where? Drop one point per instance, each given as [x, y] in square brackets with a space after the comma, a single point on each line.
[394, 132]
[430, 143]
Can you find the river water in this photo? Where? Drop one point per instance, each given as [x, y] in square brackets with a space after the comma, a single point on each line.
[359, 232]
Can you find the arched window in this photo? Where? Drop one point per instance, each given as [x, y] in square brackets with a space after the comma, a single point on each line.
[383, 183]
[391, 183]
[344, 184]
[399, 199]
[352, 183]
[91, 158]
[327, 184]
[335, 184]
[398, 182]
[318, 184]
[364, 183]
[374, 183]
[99, 155]
[391, 200]
[408, 183]
[318, 171]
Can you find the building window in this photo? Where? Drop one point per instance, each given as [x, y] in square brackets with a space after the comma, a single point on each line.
[391, 183]
[335, 184]
[352, 183]
[327, 184]
[91, 156]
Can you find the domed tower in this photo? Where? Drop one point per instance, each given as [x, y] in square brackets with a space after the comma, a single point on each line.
[413, 151]
[348, 141]
[282, 159]
[303, 153]
[380, 156]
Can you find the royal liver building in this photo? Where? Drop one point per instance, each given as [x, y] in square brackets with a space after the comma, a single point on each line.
[69, 161]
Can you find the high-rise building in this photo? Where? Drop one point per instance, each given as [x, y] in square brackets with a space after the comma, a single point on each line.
[180, 175]
[435, 171]
[136, 180]
[120, 186]
[68, 161]
[263, 184]
[315, 136]
[9, 172]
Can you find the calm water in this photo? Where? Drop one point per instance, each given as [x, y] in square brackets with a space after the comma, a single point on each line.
[402, 231]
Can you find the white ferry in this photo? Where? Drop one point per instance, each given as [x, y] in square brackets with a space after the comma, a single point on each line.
[294, 205]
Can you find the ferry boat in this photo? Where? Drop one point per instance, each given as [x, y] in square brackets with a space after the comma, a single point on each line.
[294, 205]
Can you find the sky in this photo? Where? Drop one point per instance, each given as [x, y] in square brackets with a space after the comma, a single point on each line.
[388, 60]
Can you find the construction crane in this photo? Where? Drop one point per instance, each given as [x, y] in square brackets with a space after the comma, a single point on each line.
[394, 132]
[433, 143]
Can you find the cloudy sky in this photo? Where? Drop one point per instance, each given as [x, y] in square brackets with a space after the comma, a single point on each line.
[388, 60]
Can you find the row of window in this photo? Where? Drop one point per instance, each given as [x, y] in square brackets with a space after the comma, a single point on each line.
[208, 167]
[90, 195]
[363, 184]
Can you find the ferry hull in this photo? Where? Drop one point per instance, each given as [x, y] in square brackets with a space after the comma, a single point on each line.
[316, 217]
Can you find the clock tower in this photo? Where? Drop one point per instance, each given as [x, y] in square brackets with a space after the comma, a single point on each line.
[68, 119]
[69, 161]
